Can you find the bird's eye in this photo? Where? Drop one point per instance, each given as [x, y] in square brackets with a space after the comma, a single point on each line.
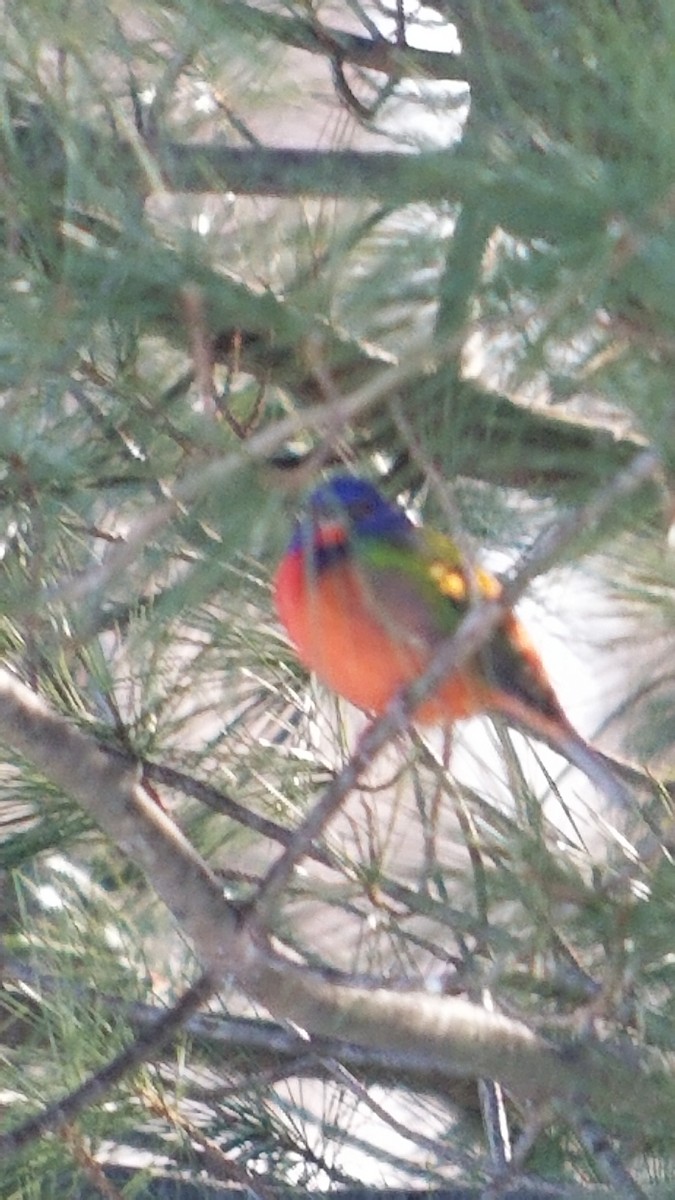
[361, 508]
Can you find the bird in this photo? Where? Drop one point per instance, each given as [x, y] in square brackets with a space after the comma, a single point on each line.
[367, 597]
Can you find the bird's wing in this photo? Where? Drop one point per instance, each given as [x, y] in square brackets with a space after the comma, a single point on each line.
[421, 587]
[423, 590]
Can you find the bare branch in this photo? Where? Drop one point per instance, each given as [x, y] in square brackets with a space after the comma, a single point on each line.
[595, 1141]
[445, 1032]
[152, 1039]
[376, 54]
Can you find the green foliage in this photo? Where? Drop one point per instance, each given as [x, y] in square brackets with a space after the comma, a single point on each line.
[210, 247]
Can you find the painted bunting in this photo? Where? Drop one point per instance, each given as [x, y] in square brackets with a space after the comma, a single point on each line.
[367, 597]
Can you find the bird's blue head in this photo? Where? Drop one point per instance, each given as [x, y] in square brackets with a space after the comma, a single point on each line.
[359, 506]
[351, 507]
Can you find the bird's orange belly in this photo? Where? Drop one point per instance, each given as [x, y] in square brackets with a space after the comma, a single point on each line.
[339, 637]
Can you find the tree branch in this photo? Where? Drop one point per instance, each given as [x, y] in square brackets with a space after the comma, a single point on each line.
[502, 442]
[566, 200]
[427, 1030]
[247, 1045]
[148, 1042]
[374, 54]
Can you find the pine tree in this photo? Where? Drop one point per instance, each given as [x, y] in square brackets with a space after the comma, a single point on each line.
[245, 941]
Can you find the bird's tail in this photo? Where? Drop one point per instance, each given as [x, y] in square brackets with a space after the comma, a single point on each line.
[619, 782]
[616, 781]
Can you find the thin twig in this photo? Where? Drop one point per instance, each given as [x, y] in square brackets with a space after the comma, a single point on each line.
[221, 1165]
[201, 348]
[205, 478]
[74, 1140]
[562, 533]
[222, 802]
[444, 1152]
[62, 1112]
[596, 1142]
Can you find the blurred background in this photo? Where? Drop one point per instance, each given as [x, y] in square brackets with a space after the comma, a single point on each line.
[245, 244]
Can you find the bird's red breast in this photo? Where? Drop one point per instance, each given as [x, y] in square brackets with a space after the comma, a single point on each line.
[339, 634]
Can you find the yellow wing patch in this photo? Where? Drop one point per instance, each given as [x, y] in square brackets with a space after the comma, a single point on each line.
[449, 581]
[458, 586]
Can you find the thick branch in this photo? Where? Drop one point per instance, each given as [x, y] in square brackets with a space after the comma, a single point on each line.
[501, 442]
[444, 1032]
[556, 206]
[376, 55]
[247, 1046]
